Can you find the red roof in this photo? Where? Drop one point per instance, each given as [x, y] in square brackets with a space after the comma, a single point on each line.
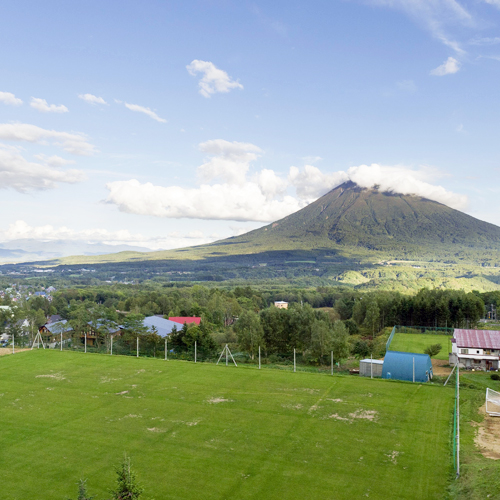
[484, 339]
[185, 319]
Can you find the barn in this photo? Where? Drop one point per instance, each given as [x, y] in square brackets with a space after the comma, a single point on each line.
[407, 366]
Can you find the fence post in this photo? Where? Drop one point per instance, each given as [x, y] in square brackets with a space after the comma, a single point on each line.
[331, 361]
[259, 357]
[137, 346]
[85, 342]
[111, 345]
[13, 344]
[165, 348]
[61, 341]
[294, 365]
[195, 351]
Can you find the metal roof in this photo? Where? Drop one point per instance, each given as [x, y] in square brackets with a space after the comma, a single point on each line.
[483, 339]
[163, 326]
[374, 361]
[185, 319]
[58, 327]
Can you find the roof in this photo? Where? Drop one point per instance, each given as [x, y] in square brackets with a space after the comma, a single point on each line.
[482, 339]
[58, 327]
[374, 361]
[163, 326]
[185, 319]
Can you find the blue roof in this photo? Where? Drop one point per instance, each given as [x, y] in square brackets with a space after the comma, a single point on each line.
[163, 326]
[59, 327]
[399, 365]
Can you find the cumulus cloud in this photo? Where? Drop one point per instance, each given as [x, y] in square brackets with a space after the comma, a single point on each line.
[53, 161]
[213, 80]
[229, 161]
[22, 175]
[74, 143]
[21, 230]
[229, 192]
[449, 67]
[10, 99]
[44, 107]
[146, 111]
[92, 99]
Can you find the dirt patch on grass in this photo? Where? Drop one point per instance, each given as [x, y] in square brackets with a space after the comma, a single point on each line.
[371, 415]
[156, 429]
[214, 401]
[56, 376]
[439, 369]
[8, 350]
[488, 435]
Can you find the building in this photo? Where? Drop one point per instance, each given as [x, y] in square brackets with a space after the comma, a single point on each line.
[280, 304]
[478, 349]
[161, 326]
[51, 332]
[407, 366]
[186, 320]
[370, 367]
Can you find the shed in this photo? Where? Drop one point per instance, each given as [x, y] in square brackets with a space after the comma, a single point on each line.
[400, 366]
[367, 365]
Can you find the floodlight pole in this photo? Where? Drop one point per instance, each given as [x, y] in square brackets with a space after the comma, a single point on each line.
[137, 346]
[294, 365]
[195, 351]
[259, 357]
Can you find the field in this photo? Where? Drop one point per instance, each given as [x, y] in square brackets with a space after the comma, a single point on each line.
[415, 342]
[214, 432]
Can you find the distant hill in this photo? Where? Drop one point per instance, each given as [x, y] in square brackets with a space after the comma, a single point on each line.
[351, 223]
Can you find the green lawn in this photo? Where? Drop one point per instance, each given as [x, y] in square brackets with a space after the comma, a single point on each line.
[416, 342]
[200, 431]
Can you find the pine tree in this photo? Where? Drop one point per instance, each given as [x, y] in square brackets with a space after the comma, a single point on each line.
[128, 487]
[82, 490]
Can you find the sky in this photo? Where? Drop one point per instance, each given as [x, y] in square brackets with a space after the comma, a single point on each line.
[164, 124]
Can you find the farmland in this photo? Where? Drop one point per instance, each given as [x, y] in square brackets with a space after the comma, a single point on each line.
[205, 431]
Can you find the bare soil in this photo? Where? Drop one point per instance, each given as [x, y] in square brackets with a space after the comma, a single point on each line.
[439, 369]
[488, 435]
[8, 350]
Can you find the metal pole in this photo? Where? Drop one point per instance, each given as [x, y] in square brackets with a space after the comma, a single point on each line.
[85, 341]
[259, 357]
[195, 351]
[61, 341]
[458, 420]
[226, 353]
[371, 366]
[111, 345]
[331, 361]
[294, 366]
[413, 369]
[165, 348]
[13, 342]
[137, 346]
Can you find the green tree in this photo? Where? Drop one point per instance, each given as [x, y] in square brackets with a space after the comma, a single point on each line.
[249, 332]
[372, 318]
[340, 342]
[82, 490]
[127, 486]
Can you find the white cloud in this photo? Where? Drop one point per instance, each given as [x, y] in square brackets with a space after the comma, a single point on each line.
[146, 111]
[496, 3]
[11, 99]
[92, 99]
[20, 174]
[311, 183]
[21, 230]
[485, 41]
[53, 161]
[449, 67]
[229, 161]
[44, 107]
[213, 80]
[74, 143]
[434, 15]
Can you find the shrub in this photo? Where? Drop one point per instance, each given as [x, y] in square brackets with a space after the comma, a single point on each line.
[433, 349]
[495, 376]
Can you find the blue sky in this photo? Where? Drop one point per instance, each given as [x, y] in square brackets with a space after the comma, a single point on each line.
[166, 124]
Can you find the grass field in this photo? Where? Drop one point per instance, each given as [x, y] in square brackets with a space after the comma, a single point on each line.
[214, 432]
[415, 342]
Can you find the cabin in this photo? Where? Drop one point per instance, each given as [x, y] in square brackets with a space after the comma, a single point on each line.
[475, 349]
[93, 333]
[51, 332]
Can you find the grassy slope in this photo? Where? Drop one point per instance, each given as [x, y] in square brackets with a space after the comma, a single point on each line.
[273, 439]
[414, 342]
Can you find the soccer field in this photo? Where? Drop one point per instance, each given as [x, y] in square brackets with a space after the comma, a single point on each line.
[418, 342]
[214, 432]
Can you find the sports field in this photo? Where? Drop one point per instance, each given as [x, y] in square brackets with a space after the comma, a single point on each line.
[214, 432]
[418, 342]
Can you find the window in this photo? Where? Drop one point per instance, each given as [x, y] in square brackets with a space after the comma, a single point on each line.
[464, 351]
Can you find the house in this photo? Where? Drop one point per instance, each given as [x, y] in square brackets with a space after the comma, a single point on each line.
[280, 304]
[185, 320]
[478, 349]
[161, 326]
[51, 332]
[92, 334]
[407, 366]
